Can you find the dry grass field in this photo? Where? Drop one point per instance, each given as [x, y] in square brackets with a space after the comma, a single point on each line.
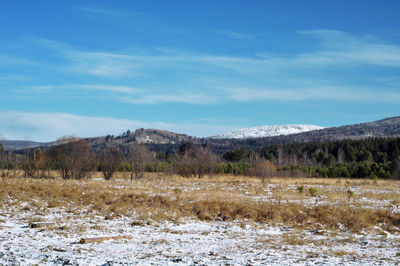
[213, 220]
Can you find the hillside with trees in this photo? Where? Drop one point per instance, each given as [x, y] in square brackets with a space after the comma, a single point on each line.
[74, 158]
[347, 151]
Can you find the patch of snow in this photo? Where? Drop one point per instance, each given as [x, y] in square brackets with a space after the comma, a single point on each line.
[266, 131]
[186, 242]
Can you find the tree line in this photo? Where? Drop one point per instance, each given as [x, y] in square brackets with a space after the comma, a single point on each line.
[371, 157]
[74, 158]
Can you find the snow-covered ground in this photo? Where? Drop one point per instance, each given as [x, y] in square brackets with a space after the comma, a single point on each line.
[183, 242]
[266, 131]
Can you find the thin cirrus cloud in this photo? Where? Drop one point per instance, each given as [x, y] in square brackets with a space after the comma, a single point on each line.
[115, 64]
[107, 88]
[141, 22]
[187, 98]
[15, 77]
[346, 48]
[99, 64]
[50, 126]
[315, 94]
[235, 35]
[101, 11]
[336, 48]
[342, 52]
[11, 60]
[125, 94]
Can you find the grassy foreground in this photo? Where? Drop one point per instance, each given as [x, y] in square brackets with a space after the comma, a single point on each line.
[331, 203]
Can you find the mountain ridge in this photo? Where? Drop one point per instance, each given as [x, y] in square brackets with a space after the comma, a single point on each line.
[388, 127]
[266, 131]
[166, 141]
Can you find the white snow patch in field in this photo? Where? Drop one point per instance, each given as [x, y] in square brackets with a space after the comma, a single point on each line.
[186, 242]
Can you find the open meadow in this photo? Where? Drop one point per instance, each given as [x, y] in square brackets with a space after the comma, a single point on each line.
[163, 220]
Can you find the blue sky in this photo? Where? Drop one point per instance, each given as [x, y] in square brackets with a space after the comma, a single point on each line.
[90, 68]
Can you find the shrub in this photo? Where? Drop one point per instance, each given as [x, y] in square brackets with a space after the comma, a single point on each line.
[375, 180]
[300, 189]
[178, 193]
[313, 191]
[265, 169]
[350, 193]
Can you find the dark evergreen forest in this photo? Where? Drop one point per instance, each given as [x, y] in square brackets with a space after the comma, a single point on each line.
[371, 157]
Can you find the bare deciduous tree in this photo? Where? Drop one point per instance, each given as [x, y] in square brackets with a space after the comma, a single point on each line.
[264, 169]
[28, 163]
[8, 162]
[280, 156]
[72, 158]
[41, 163]
[195, 161]
[110, 158]
[3, 164]
[139, 156]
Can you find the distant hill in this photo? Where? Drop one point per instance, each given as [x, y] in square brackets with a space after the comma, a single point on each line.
[150, 137]
[162, 140]
[22, 144]
[266, 131]
[389, 127]
[141, 136]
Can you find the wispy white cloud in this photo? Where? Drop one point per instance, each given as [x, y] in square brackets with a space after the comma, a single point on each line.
[353, 94]
[190, 98]
[291, 75]
[345, 48]
[117, 89]
[101, 10]
[111, 64]
[50, 126]
[235, 35]
[125, 94]
[12, 60]
[138, 21]
[57, 46]
[337, 49]
[15, 77]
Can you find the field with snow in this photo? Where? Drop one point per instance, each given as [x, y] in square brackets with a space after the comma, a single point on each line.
[167, 220]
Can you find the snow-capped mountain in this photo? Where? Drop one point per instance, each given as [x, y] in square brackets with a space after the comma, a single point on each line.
[266, 131]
